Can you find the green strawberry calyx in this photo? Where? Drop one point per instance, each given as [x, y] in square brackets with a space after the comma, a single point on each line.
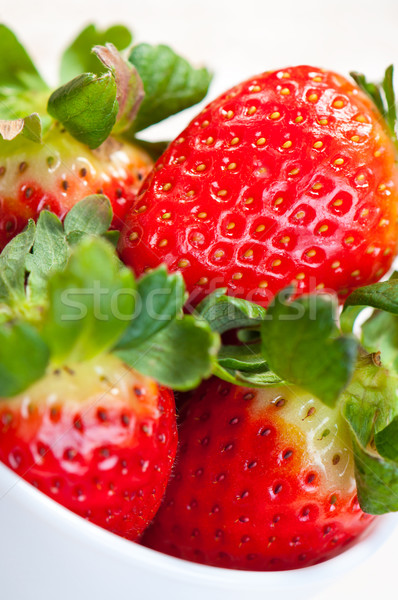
[65, 298]
[383, 96]
[109, 86]
[304, 341]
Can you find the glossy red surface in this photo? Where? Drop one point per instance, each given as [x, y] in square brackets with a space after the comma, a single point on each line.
[288, 176]
[106, 457]
[57, 174]
[256, 485]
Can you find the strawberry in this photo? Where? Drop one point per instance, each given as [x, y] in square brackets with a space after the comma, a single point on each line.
[289, 475]
[59, 173]
[289, 176]
[264, 481]
[86, 411]
[98, 438]
[56, 147]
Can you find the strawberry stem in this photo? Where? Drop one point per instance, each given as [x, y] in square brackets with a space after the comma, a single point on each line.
[383, 96]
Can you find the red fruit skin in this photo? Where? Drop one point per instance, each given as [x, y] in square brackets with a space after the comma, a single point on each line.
[106, 457]
[288, 176]
[253, 491]
[57, 174]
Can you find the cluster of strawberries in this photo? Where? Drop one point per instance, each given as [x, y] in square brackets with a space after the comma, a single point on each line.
[274, 206]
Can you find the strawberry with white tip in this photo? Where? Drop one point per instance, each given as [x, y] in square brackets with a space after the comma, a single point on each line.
[87, 414]
[289, 475]
[57, 147]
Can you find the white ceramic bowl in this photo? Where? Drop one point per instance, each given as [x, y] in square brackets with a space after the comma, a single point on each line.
[49, 553]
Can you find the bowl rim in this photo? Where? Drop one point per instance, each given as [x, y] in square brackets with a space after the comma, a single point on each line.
[69, 524]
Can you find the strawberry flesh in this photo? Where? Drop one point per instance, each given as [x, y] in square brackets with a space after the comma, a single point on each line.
[98, 438]
[62, 171]
[264, 480]
[288, 176]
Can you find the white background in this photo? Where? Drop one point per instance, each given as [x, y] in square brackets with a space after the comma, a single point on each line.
[236, 39]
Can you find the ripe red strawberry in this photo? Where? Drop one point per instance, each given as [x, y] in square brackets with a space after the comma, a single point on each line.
[84, 412]
[57, 148]
[98, 438]
[288, 176]
[264, 480]
[57, 174]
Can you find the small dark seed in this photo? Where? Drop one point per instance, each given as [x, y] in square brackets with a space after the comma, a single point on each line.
[324, 434]
[138, 391]
[54, 413]
[243, 519]
[288, 454]
[118, 193]
[278, 488]
[6, 419]
[41, 450]
[64, 185]
[22, 167]
[281, 402]
[101, 414]
[126, 420]
[83, 172]
[28, 192]
[295, 540]
[77, 423]
[310, 412]
[265, 432]
[234, 421]
[70, 454]
[336, 459]
[302, 557]
[276, 519]
[310, 478]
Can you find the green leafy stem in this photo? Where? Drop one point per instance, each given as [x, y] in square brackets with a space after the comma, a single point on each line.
[108, 86]
[65, 297]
